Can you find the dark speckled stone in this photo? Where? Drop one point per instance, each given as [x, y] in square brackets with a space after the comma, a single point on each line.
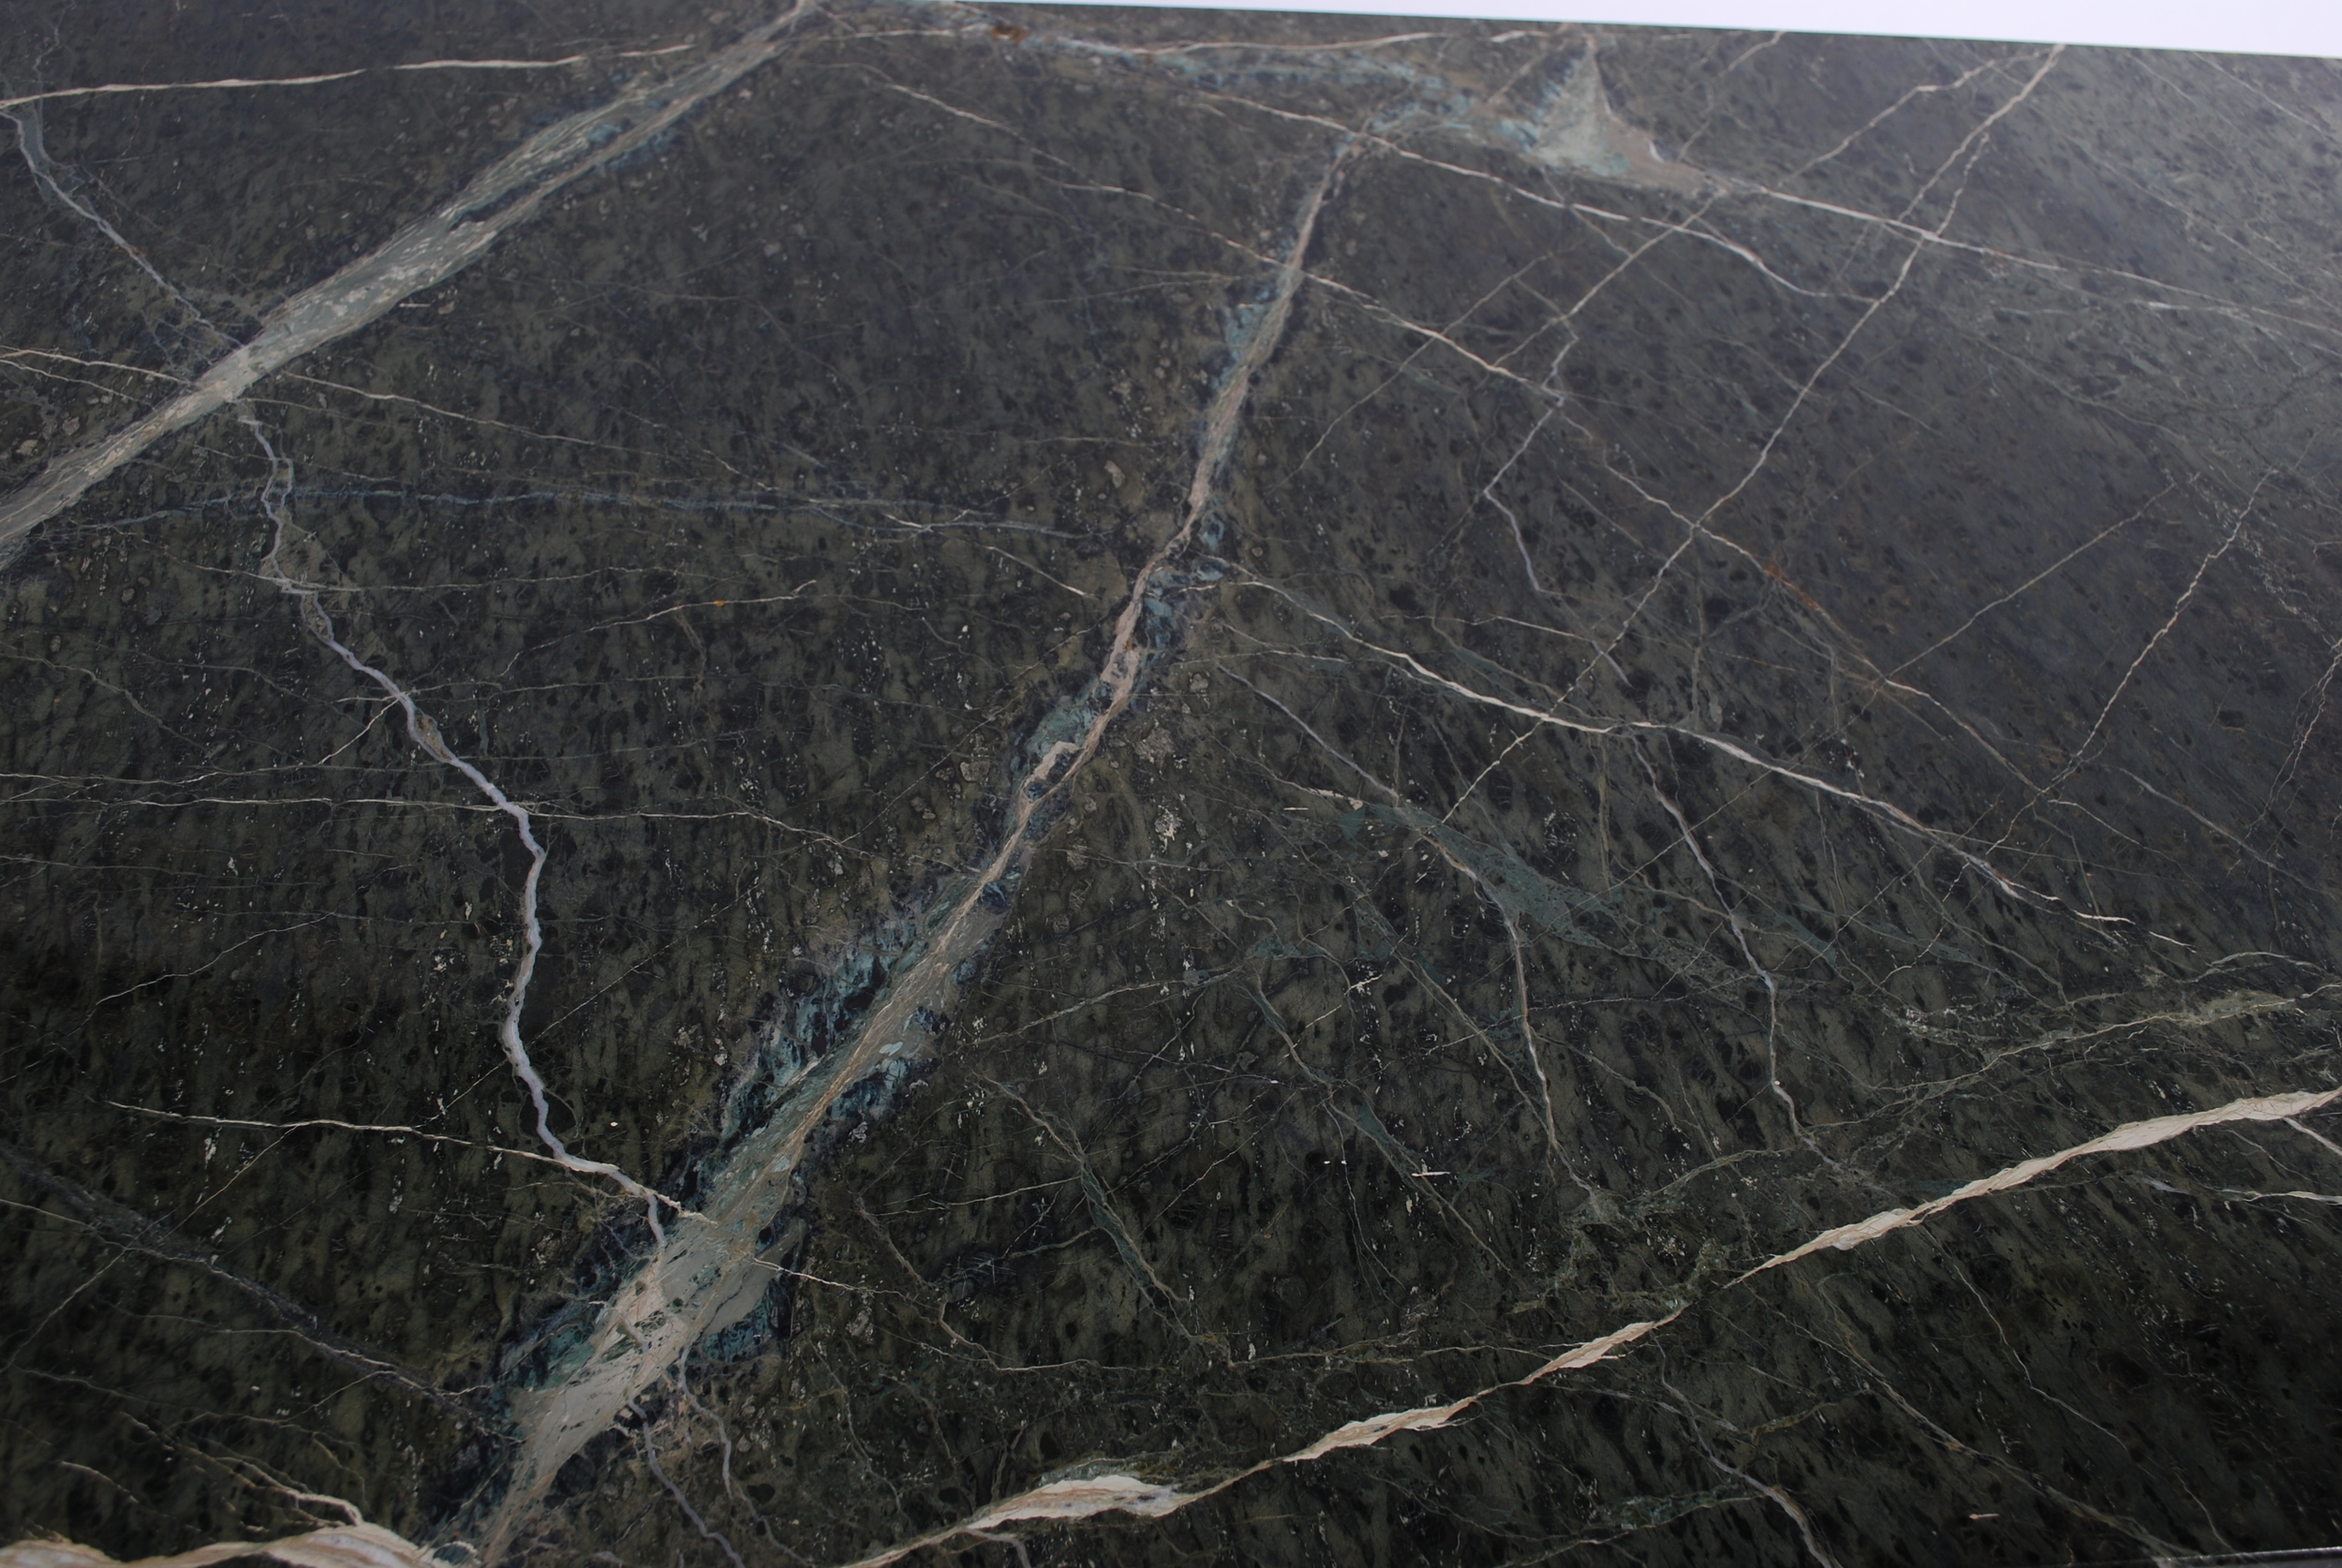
[1255, 790]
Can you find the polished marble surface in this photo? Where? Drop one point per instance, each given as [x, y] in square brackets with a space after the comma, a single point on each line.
[882, 782]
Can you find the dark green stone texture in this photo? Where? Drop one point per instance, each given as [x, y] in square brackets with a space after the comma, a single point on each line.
[1726, 634]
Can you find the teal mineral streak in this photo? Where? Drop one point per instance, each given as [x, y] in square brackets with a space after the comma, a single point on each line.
[713, 1275]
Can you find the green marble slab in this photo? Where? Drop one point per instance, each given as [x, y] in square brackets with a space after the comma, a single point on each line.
[888, 782]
